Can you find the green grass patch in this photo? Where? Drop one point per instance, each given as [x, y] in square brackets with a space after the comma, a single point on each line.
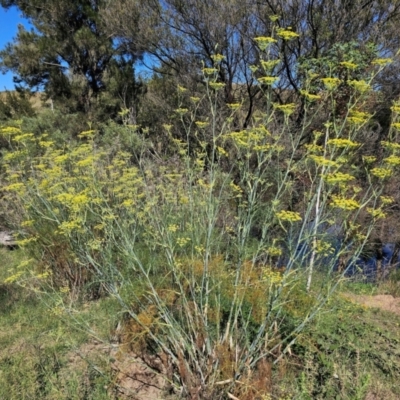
[349, 351]
[44, 355]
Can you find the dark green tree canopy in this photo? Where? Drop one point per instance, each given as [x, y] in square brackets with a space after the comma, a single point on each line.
[68, 54]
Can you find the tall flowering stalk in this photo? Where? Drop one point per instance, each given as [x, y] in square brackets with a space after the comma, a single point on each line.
[211, 254]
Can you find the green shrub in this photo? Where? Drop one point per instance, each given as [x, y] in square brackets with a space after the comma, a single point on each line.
[173, 239]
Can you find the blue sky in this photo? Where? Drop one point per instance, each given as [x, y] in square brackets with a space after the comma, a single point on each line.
[9, 20]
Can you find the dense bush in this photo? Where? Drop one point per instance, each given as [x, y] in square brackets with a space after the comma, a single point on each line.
[212, 252]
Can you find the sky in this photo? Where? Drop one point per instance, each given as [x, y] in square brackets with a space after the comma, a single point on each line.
[9, 20]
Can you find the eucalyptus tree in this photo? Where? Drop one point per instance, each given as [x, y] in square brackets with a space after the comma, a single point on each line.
[183, 35]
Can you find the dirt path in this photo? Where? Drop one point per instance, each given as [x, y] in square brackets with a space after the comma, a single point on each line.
[385, 302]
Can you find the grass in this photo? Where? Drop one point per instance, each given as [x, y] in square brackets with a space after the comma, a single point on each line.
[35, 99]
[39, 351]
[350, 351]
[347, 352]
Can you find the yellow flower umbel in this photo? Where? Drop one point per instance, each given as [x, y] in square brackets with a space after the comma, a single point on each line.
[396, 125]
[345, 204]
[209, 71]
[309, 96]
[348, 65]
[361, 86]
[331, 83]
[376, 213]
[287, 109]
[217, 58]
[274, 251]
[233, 106]
[323, 248]
[270, 276]
[322, 161]
[392, 160]
[382, 62]
[387, 200]
[359, 117]
[268, 80]
[289, 216]
[343, 143]
[287, 34]
[216, 85]
[369, 159]
[264, 41]
[269, 65]
[395, 107]
[201, 124]
[181, 111]
[338, 177]
[382, 173]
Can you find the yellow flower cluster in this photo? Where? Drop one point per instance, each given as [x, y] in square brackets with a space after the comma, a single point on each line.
[348, 65]
[382, 61]
[268, 80]
[287, 109]
[264, 41]
[369, 159]
[361, 86]
[391, 145]
[181, 111]
[395, 107]
[338, 177]
[322, 161]
[331, 83]
[274, 251]
[173, 228]
[376, 213]
[287, 34]
[217, 58]
[345, 203]
[396, 125]
[237, 190]
[216, 85]
[201, 124]
[13, 278]
[342, 143]
[251, 138]
[359, 117]
[309, 96]
[271, 276]
[392, 160]
[269, 65]
[387, 200]
[314, 148]
[324, 248]
[182, 241]
[290, 216]
[209, 71]
[233, 106]
[381, 173]
[67, 227]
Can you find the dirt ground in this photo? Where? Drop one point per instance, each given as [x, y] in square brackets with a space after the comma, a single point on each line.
[385, 302]
[134, 380]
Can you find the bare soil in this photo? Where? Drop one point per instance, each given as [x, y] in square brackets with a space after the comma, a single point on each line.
[133, 378]
[384, 302]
